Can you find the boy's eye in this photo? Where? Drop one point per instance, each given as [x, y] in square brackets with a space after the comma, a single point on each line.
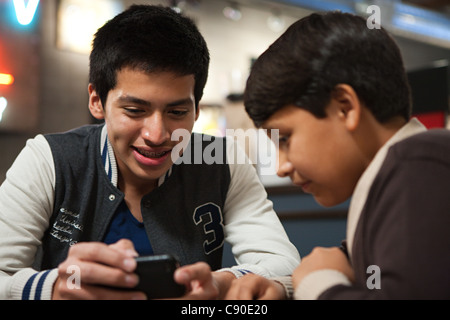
[283, 139]
[133, 110]
[178, 113]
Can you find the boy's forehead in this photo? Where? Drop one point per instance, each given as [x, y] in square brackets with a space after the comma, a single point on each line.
[130, 70]
[279, 118]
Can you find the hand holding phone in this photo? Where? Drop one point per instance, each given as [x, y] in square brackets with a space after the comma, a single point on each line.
[156, 277]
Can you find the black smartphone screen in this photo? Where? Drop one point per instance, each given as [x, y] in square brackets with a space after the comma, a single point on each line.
[156, 277]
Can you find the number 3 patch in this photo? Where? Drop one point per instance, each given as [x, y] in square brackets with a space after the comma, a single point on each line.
[210, 215]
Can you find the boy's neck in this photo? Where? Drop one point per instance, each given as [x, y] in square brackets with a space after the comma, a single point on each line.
[390, 128]
[374, 134]
[133, 195]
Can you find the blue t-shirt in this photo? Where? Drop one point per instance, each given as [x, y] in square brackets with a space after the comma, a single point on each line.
[125, 225]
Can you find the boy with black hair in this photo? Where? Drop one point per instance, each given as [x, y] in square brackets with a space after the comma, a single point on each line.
[97, 196]
[338, 93]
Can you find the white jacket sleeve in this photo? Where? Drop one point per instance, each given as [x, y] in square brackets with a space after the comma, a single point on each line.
[26, 204]
[259, 242]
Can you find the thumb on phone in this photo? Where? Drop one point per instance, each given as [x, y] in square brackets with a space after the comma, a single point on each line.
[198, 280]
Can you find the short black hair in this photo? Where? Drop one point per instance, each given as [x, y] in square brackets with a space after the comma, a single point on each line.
[320, 51]
[152, 39]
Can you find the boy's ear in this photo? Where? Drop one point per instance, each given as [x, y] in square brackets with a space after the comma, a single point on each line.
[197, 113]
[95, 103]
[348, 104]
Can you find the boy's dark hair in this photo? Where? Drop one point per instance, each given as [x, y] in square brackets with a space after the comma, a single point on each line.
[317, 53]
[152, 39]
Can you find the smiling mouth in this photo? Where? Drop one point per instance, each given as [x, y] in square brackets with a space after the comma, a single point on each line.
[151, 154]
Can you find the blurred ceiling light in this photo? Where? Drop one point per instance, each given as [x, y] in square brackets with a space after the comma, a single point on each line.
[3, 104]
[6, 79]
[78, 21]
[232, 12]
[408, 18]
[25, 13]
[276, 22]
[177, 5]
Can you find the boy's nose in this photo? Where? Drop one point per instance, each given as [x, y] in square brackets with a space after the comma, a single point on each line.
[285, 169]
[155, 131]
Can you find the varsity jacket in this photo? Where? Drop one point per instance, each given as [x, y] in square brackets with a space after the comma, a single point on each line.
[62, 189]
[175, 215]
[397, 230]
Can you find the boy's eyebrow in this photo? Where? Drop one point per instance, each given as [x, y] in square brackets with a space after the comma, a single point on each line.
[271, 125]
[181, 102]
[142, 102]
[134, 100]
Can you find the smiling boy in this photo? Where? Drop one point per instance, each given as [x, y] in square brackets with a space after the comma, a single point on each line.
[142, 111]
[339, 95]
[97, 196]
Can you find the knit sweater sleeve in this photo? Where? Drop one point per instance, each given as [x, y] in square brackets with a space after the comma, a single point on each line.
[26, 204]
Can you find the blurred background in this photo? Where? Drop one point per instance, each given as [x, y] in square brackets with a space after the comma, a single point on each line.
[44, 59]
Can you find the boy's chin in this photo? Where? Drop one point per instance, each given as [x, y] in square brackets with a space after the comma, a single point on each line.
[328, 202]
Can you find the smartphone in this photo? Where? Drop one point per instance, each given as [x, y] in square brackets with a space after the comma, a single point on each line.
[156, 277]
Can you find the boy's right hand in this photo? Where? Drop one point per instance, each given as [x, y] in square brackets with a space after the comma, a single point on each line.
[99, 267]
[254, 287]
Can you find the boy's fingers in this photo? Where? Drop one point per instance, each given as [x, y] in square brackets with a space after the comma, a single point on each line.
[103, 254]
[199, 271]
[126, 246]
[94, 292]
[98, 274]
